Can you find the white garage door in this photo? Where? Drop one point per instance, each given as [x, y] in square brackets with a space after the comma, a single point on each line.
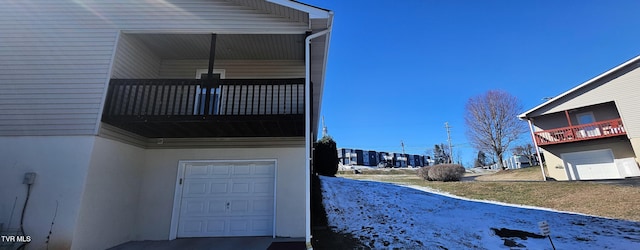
[591, 165]
[227, 199]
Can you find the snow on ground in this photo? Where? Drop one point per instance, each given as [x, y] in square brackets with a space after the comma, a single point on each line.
[388, 216]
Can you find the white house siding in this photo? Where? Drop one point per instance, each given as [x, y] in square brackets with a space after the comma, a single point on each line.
[110, 200]
[55, 55]
[60, 164]
[159, 180]
[623, 90]
[234, 69]
[134, 60]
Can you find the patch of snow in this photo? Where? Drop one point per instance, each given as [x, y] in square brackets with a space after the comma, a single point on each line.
[384, 215]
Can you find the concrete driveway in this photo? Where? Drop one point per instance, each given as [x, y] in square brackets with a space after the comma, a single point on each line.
[213, 243]
[631, 182]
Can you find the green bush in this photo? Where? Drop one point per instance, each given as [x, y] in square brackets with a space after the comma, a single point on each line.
[446, 172]
[325, 157]
[423, 173]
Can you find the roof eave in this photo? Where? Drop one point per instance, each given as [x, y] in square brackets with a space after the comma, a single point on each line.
[314, 12]
[524, 116]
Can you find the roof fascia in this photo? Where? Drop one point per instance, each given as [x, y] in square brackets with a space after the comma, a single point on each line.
[314, 12]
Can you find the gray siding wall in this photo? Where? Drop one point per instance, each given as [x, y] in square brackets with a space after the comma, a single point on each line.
[622, 90]
[134, 61]
[601, 112]
[55, 55]
[186, 69]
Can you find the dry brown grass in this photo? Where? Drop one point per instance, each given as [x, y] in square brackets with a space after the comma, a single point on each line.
[523, 174]
[583, 197]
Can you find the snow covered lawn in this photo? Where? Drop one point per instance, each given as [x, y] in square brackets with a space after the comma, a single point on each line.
[384, 215]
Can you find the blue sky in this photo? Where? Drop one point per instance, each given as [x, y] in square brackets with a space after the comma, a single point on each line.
[398, 70]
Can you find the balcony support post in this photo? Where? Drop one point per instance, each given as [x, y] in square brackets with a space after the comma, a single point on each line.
[209, 83]
[566, 113]
[535, 144]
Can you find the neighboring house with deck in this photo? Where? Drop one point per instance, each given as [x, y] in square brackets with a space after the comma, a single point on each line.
[592, 131]
[156, 120]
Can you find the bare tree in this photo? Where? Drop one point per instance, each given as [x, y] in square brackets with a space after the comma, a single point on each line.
[526, 150]
[492, 122]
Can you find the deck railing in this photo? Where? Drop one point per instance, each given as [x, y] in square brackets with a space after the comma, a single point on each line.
[601, 129]
[175, 98]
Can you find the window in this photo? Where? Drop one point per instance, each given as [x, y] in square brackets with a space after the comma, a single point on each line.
[587, 131]
[214, 94]
[585, 118]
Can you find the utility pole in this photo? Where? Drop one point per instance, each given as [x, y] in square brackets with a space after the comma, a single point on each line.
[404, 156]
[446, 125]
[324, 128]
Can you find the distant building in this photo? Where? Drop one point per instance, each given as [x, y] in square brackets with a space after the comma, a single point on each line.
[372, 158]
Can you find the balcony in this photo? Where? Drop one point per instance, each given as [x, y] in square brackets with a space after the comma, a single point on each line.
[596, 130]
[175, 108]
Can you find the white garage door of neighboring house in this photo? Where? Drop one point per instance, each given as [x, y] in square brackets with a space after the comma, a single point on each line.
[591, 165]
[229, 198]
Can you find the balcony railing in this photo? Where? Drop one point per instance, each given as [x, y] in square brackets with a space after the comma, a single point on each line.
[581, 132]
[223, 107]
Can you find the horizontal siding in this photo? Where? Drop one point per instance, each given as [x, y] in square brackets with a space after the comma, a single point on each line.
[192, 15]
[55, 55]
[134, 61]
[623, 90]
[49, 87]
[186, 69]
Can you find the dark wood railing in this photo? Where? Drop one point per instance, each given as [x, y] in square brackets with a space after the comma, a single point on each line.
[179, 98]
[581, 132]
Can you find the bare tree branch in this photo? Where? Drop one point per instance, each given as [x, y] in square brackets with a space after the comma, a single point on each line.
[492, 123]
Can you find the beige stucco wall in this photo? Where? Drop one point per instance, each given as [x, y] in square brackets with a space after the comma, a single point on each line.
[159, 180]
[635, 143]
[620, 146]
[109, 192]
[110, 200]
[60, 164]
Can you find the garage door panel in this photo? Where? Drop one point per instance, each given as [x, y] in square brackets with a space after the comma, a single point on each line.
[216, 226]
[239, 207]
[197, 172]
[250, 226]
[220, 170]
[591, 165]
[242, 170]
[196, 188]
[194, 207]
[263, 187]
[264, 171]
[227, 199]
[216, 207]
[193, 226]
[220, 187]
[240, 188]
